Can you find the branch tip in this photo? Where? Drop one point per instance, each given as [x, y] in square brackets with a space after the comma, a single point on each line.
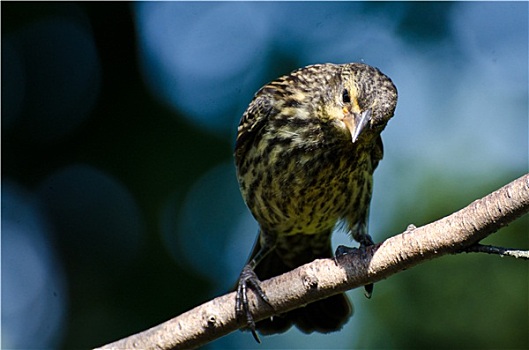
[489, 249]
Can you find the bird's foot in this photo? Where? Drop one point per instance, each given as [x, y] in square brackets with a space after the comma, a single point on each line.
[343, 250]
[248, 279]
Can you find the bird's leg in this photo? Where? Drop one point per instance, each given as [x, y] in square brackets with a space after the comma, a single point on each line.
[365, 241]
[248, 279]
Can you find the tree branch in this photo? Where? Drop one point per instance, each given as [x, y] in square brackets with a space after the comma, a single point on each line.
[456, 233]
[489, 249]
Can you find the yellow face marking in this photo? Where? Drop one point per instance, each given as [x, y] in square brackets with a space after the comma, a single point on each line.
[353, 93]
[355, 106]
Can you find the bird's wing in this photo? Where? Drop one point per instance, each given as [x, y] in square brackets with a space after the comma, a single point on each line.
[251, 124]
[377, 153]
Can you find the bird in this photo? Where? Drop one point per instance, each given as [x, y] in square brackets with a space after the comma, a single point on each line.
[305, 153]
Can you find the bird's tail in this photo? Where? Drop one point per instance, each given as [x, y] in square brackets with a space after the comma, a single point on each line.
[322, 316]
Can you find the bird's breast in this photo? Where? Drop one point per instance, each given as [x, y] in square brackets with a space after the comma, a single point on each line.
[294, 188]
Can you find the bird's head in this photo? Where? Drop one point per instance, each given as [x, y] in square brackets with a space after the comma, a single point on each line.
[361, 101]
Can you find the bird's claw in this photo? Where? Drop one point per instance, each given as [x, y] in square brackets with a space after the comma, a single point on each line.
[343, 250]
[248, 279]
[368, 290]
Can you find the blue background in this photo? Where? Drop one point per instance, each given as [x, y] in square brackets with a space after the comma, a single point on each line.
[120, 206]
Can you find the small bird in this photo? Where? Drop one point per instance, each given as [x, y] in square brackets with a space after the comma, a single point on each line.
[305, 154]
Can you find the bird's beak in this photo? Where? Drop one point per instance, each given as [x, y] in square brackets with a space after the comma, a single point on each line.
[357, 122]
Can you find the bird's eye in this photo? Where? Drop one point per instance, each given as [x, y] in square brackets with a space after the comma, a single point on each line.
[345, 96]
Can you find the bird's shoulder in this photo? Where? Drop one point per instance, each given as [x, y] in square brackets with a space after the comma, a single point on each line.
[378, 152]
[252, 121]
[289, 91]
